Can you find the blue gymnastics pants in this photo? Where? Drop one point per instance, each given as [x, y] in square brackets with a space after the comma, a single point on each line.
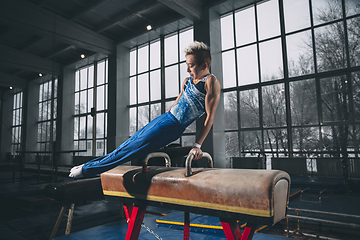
[155, 135]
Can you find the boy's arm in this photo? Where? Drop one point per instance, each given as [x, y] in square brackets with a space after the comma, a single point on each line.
[212, 87]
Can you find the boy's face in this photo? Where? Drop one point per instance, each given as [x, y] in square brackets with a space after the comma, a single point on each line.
[193, 69]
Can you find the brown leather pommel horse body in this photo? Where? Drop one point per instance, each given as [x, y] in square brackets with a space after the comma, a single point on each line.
[254, 196]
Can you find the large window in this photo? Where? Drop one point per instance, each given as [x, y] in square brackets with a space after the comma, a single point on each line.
[47, 115]
[90, 120]
[145, 84]
[291, 78]
[154, 85]
[17, 123]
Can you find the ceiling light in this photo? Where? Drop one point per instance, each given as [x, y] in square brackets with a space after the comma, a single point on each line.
[40, 74]
[82, 55]
[10, 87]
[148, 27]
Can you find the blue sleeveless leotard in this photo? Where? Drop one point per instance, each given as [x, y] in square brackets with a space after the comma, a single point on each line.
[191, 104]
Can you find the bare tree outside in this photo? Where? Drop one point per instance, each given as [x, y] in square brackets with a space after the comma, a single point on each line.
[330, 47]
[303, 107]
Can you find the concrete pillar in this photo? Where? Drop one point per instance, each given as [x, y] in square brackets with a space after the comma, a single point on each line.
[67, 116]
[122, 94]
[6, 119]
[202, 34]
[32, 116]
[208, 31]
[112, 102]
[216, 68]
[2, 153]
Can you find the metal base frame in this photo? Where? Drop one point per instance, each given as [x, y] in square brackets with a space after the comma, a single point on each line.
[135, 216]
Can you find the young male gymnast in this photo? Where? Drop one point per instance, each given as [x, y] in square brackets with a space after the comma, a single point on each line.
[200, 94]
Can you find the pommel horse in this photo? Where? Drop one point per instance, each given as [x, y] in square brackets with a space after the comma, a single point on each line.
[254, 196]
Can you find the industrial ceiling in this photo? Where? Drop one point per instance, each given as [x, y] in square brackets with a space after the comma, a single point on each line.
[43, 36]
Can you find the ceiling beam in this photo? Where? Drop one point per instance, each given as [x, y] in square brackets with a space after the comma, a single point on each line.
[41, 2]
[31, 42]
[191, 9]
[7, 80]
[28, 61]
[6, 31]
[126, 15]
[126, 27]
[26, 15]
[59, 51]
[140, 15]
[86, 9]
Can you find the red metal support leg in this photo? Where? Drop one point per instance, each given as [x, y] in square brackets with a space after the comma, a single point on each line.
[248, 232]
[128, 207]
[135, 216]
[186, 225]
[231, 229]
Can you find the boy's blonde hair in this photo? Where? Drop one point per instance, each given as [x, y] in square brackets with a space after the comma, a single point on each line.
[201, 52]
